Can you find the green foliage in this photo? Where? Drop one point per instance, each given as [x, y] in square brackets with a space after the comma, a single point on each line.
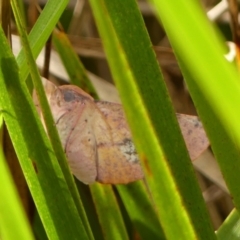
[168, 204]
[10, 203]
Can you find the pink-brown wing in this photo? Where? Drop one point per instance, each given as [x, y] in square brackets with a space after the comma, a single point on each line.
[191, 127]
[194, 135]
[80, 147]
[80, 144]
[117, 158]
[70, 109]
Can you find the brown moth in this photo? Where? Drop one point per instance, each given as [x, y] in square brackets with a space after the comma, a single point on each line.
[96, 137]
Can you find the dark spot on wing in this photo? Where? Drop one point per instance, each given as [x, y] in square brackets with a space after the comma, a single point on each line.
[197, 123]
[68, 95]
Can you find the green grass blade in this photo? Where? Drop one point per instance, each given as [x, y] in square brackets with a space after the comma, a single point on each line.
[38, 228]
[108, 211]
[230, 229]
[111, 221]
[103, 196]
[12, 215]
[41, 31]
[51, 128]
[75, 69]
[90, 209]
[179, 203]
[42, 172]
[23, 12]
[140, 210]
[212, 81]
[50, 124]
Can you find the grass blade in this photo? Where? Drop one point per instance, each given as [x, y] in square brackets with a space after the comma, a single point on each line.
[41, 31]
[10, 204]
[145, 98]
[76, 71]
[109, 214]
[212, 81]
[140, 210]
[230, 229]
[43, 174]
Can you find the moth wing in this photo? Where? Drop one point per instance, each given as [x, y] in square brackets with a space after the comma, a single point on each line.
[117, 158]
[80, 144]
[194, 134]
[71, 107]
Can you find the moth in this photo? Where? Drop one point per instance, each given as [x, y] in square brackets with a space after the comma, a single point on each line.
[96, 137]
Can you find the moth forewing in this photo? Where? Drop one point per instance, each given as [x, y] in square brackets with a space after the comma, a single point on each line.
[113, 112]
[117, 160]
[81, 151]
[75, 130]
